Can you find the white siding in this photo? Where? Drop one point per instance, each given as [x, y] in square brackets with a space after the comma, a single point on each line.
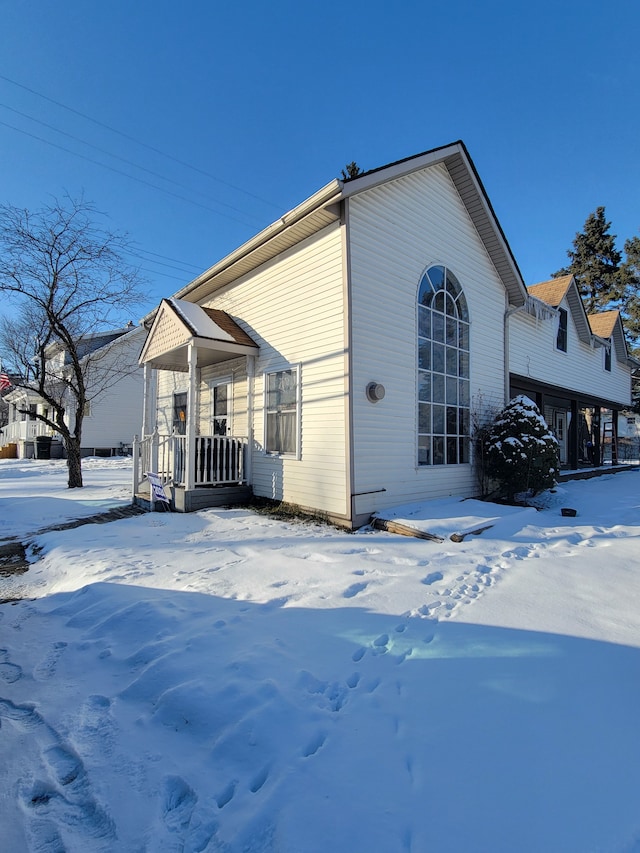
[293, 308]
[396, 231]
[533, 353]
[116, 414]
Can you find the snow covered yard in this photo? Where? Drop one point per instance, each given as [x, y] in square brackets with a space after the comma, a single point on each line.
[223, 681]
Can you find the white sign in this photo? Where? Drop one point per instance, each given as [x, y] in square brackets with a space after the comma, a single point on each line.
[157, 489]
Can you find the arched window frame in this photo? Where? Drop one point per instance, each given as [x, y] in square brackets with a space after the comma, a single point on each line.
[443, 393]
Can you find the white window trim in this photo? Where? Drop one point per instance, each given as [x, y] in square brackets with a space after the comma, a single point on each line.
[566, 331]
[297, 366]
[440, 466]
[180, 390]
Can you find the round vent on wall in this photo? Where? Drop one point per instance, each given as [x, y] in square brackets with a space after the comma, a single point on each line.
[375, 392]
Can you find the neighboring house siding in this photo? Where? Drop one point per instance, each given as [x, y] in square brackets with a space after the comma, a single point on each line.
[116, 413]
[533, 353]
[395, 232]
[293, 308]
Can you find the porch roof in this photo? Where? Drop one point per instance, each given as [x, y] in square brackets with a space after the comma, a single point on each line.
[179, 324]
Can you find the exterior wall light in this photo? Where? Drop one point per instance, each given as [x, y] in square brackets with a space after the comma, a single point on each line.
[375, 392]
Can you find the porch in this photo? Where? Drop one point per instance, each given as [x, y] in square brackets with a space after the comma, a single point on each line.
[218, 472]
[586, 426]
[198, 366]
[23, 435]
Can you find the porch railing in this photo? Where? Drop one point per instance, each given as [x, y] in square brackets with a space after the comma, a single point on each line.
[219, 459]
[23, 431]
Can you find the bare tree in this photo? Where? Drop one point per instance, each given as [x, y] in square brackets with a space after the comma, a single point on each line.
[69, 281]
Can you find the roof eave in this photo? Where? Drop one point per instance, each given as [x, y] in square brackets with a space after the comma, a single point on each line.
[319, 201]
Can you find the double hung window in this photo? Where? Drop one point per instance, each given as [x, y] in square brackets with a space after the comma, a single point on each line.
[281, 411]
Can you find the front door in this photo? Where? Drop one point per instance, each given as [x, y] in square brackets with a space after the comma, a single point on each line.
[560, 431]
[220, 407]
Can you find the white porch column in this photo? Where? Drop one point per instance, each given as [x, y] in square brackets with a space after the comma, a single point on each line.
[190, 454]
[147, 422]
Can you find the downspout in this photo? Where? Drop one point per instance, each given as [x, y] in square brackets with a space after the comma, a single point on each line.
[507, 315]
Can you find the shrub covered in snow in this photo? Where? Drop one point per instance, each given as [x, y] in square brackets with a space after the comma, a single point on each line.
[521, 452]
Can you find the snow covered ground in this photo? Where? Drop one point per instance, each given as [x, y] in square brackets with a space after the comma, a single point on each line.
[222, 681]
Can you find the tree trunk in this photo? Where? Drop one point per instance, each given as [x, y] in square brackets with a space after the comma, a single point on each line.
[74, 464]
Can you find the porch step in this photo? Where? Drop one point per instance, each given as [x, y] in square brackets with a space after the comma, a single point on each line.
[203, 498]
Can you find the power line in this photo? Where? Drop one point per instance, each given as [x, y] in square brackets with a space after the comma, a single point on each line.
[166, 258]
[126, 175]
[164, 264]
[138, 142]
[164, 274]
[118, 157]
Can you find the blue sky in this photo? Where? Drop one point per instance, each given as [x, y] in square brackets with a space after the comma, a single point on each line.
[213, 119]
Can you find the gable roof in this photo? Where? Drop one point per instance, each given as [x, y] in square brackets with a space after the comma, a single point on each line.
[556, 290]
[325, 207]
[179, 322]
[552, 292]
[603, 323]
[597, 329]
[608, 325]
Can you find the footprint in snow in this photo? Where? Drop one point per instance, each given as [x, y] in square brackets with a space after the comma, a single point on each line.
[354, 589]
[178, 802]
[314, 744]
[381, 644]
[10, 672]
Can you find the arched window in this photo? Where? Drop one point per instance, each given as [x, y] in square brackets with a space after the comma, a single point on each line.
[443, 370]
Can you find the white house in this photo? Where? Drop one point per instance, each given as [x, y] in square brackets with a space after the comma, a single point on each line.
[338, 359]
[576, 368]
[114, 389]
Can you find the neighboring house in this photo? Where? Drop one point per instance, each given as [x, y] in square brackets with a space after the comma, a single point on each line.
[112, 415]
[576, 368]
[339, 359]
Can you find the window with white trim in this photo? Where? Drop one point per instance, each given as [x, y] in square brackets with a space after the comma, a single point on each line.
[443, 370]
[607, 358]
[281, 411]
[561, 337]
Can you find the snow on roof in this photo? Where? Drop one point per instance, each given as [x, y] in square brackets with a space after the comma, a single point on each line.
[200, 322]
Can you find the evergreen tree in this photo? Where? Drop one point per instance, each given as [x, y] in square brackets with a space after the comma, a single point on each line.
[521, 452]
[631, 303]
[351, 170]
[596, 264]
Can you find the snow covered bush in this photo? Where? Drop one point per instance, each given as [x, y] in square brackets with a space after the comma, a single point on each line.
[521, 452]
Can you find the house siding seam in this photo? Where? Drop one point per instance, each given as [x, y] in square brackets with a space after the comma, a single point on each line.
[396, 231]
